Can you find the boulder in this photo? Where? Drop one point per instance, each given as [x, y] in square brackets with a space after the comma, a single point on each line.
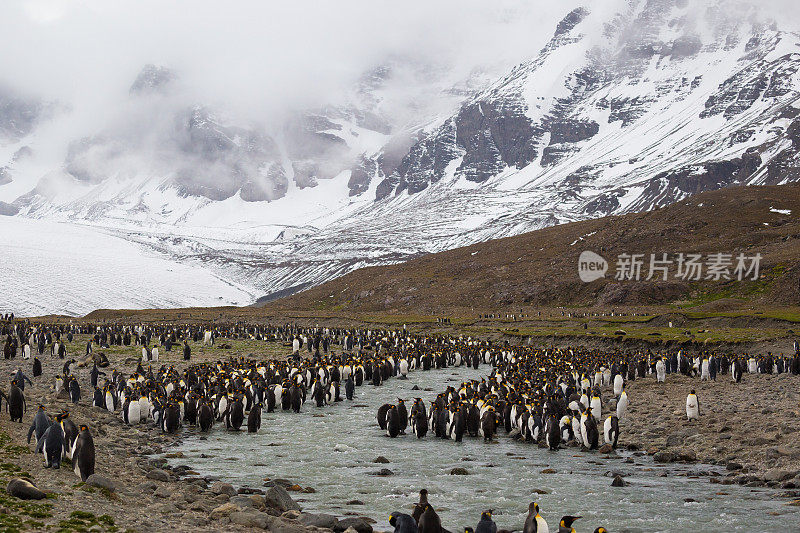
[250, 519]
[102, 482]
[223, 488]
[327, 521]
[223, 510]
[777, 474]
[459, 471]
[24, 490]
[277, 498]
[618, 481]
[158, 475]
[358, 524]
[663, 456]
[606, 448]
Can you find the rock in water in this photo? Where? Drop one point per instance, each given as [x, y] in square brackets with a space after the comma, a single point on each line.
[24, 490]
[618, 481]
[277, 498]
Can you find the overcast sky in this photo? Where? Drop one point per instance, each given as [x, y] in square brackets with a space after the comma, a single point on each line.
[254, 53]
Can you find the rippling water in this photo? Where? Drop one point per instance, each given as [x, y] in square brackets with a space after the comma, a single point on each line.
[332, 449]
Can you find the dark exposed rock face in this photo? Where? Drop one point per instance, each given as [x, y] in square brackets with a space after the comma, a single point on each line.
[673, 185]
[361, 175]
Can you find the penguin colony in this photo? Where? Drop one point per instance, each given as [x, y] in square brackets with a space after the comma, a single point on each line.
[424, 519]
[547, 397]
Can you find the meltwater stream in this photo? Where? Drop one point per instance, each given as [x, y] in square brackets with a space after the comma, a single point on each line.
[332, 450]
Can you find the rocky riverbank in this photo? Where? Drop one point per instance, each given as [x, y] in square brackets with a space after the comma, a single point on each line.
[752, 428]
[132, 490]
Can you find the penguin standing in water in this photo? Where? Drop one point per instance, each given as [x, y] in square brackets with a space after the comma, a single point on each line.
[41, 422]
[692, 406]
[254, 418]
[419, 418]
[611, 431]
[37, 367]
[429, 521]
[83, 454]
[349, 387]
[534, 523]
[486, 524]
[552, 432]
[392, 422]
[402, 412]
[51, 445]
[234, 416]
[565, 525]
[171, 420]
[402, 523]
[205, 417]
[16, 402]
[589, 431]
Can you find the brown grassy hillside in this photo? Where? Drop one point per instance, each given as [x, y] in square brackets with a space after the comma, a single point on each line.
[540, 268]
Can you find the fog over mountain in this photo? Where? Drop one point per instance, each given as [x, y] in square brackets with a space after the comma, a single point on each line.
[277, 146]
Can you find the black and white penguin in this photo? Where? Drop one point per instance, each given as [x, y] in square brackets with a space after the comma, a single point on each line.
[534, 523]
[392, 422]
[486, 524]
[692, 406]
[381, 416]
[402, 523]
[349, 388]
[234, 416]
[254, 418]
[41, 422]
[171, 419]
[131, 412]
[403, 414]
[74, 390]
[489, 424]
[552, 432]
[589, 432]
[37, 367]
[51, 445]
[611, 431]
[70, 432]
[419, 418]
[83, 454]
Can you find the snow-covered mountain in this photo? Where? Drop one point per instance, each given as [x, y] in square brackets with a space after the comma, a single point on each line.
[631, 105]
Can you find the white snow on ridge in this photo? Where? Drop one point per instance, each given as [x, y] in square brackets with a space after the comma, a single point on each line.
[55, 267]
[780, 211]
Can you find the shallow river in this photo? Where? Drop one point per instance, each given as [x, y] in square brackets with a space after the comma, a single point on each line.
[332, 448]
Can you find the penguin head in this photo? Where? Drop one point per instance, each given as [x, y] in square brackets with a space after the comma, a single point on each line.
[567, 520]
[600, 529]
[487, 515]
